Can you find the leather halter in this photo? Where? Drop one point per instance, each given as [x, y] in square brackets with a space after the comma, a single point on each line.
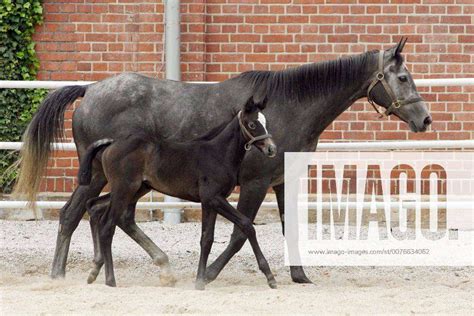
[380, 77]
[249, 137]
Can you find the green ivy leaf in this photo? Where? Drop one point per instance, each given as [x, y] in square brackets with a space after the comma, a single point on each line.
[18, 61]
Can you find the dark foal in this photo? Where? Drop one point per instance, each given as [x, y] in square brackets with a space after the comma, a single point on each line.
[203, 170]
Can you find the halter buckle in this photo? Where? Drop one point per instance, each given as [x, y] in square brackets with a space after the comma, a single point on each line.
[380, 76]
[396, 104]
[248, 146]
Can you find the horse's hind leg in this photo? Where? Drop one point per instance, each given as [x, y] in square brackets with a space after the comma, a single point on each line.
[95, 207]
[70, 216]
[122, 194]
[129, 226]
[297, 273]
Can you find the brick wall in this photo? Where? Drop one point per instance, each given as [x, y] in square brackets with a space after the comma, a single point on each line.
[91, 40]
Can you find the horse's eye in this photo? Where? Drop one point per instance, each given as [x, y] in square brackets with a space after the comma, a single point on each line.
[252, 125]
[403, 78]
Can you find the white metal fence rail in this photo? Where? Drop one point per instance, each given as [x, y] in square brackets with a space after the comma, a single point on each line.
[38, 84]
[462, 205]
[339, 146]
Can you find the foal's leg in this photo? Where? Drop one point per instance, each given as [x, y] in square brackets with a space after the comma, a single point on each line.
[223, 207]
[121, 195]
[251, 197]
[297, 272]
[207, 238]
[107, 222]
[129, 226]
[95, 207]
[70, 216]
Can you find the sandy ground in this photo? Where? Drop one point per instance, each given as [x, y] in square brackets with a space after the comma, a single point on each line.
[27, 250]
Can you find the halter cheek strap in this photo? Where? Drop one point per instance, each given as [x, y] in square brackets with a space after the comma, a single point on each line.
[380, 78]
[249, 137]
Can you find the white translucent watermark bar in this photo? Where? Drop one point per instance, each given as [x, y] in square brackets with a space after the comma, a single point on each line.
[379, 208]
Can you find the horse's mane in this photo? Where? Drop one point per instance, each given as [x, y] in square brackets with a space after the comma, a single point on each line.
[309, 80]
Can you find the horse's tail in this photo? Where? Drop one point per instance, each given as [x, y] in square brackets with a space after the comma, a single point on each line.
[45, 127]
[85, 169]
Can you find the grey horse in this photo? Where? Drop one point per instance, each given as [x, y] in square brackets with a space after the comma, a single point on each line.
[301, 103]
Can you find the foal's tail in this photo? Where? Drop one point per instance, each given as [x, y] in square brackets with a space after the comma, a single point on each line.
[45, 127]
[85, 169]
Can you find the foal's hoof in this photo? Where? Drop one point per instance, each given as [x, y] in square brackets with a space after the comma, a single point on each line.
[200, 285]
[272, 284]
[57, 275]
[211, 275]
[92, 276]
[167, 280]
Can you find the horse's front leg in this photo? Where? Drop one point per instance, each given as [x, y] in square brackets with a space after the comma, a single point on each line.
[207, 238]
[223, 207]
[251, 197]
[297, 273]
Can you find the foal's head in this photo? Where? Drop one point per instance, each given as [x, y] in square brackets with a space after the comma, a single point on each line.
[253, 126]
[393, 88]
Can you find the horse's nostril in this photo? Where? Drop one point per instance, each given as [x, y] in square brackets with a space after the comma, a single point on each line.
[428, 120]
[272, 150]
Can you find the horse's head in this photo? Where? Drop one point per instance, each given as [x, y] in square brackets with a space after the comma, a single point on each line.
[254, 128]
[392, 87]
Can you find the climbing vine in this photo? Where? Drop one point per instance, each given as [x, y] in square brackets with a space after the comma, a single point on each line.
[18, 61]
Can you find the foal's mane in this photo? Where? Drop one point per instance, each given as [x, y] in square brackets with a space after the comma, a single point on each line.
[309, 80]
[213, 132]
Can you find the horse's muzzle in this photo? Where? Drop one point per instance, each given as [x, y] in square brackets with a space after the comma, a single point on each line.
[269, 148]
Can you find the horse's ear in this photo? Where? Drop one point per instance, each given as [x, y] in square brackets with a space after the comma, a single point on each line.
[250, 106]
[400, 45]
[253, 104]
[261, 104]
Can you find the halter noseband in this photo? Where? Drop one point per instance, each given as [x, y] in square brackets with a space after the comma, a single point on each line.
[380, 77]
[250, 138]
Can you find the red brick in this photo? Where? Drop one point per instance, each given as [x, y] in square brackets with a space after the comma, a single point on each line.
[276, 38]
[260, 58]
[342, 38]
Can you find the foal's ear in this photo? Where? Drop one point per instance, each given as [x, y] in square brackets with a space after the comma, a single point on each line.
[261, 104]
[250, 105]
[253, 104]
[258, 102]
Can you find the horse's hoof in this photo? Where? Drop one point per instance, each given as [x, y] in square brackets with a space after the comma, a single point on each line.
[92, 275]
[298, 275]
[272, 284]
[210, 276]
[302, 280]
[111, 283]
[91, 278]
[167, 280]
[57, 275]
[200, 285]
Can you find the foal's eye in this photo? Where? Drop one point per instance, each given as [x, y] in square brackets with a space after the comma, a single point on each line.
[403, 78]
[252, 125]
